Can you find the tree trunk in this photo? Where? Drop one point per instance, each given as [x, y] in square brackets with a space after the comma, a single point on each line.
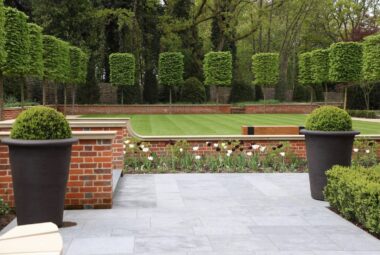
[345, 99]
[1, 96]
[73, 98]
[44, 87]
[22, 86]
[64, 99]
[282, 85]
[56, 96]
[326, 95]
[122, 95]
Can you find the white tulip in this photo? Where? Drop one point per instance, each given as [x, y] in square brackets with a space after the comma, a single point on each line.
[229, 151]
[223, 144]
[127, 141]
[131, 146]
[263, 148]
[249, 153]
[145, 149]
[197, 157]
[256, 147]
[124, 146]
[228, 154]
[195, 148]
[367, 151]
[216, 145]
[356, 150]
[282, 154]
[150, 158]
[180, 150]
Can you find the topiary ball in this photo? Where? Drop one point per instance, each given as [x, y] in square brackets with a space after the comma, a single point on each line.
[329, 118]
[41, 123]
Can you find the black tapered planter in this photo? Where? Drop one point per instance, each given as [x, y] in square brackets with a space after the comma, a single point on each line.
[40, 171]
[324, 150]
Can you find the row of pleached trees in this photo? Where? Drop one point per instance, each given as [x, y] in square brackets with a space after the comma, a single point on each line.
[344, 63]
[26, 53]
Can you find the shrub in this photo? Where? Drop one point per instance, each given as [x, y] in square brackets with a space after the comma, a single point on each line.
[4, 208]
[363, 114]
[371, 60]
[355, 192]
[241, 92]
[217, 68]
[40, 123]
[171, 68]
[36, 51]
[346, 62]
[266, 68]
[329, 118]
[193, 91]
[122, 67]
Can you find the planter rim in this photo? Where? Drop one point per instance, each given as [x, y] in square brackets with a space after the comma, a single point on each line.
[54, 142]
[329, 133]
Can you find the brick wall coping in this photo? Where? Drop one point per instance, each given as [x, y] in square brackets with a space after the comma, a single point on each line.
[79, 123]
[82, 135]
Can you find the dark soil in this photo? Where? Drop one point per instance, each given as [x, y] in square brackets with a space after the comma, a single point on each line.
[6, 219]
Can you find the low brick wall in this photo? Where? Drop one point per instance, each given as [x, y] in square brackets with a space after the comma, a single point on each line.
[11, 113]
[90, 176]
[281, 108]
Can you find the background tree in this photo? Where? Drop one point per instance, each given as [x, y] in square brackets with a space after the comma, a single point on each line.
[16, 46]
[346, 63]
[265, 68]
[3, 55]
[319, 61]
[122, 66]
[75, 71]
[371, 66]
[306, 77]
[217, 67]
[52, 60]
[193, 91]
[170, 70]
[64, 71]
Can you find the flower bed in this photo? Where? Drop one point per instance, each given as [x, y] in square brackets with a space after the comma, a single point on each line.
[354, 193]
[228, 156]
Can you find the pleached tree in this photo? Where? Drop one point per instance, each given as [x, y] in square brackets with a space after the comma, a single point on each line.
[3, 56]
[122, 66]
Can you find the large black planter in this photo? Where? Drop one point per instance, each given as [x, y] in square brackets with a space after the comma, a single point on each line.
[323, 151]
[39, 171]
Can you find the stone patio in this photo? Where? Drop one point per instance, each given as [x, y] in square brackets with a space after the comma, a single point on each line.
[215, 214]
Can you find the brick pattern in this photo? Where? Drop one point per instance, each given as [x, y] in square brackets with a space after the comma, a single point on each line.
[11, 113]
[90, 176]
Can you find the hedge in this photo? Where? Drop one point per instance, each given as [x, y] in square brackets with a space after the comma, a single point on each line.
[64, 65]
[51, 58]
[371, 58]
[122, 67]
[217, 67]
[346, 62]
[36, 51]
[16, 43]
[170, 69]
[193, 91]
[3, 53]
[305, 76]
[266, 68]
[75, 65]
[319, 61]
[355, 194]
[363, 114]
[83, 67]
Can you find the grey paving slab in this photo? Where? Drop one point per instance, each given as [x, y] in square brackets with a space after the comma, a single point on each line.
[214, 214]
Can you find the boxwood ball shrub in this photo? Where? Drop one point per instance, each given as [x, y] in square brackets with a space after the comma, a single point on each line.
[266, 68]
[122, 67]
[346, 62]
[193, 91]
[217, 67]
[40, 123]
[354, 193]
[171, 69]
[329, 118]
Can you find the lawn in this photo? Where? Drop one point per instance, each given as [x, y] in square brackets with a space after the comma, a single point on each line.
[218, 124]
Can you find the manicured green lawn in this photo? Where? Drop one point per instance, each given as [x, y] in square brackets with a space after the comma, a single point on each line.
[218, 124]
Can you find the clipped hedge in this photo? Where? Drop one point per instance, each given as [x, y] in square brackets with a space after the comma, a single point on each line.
[83, 67]
[122, 67]
[266, 68]
[346, 62]
[329, 118]
[319, 61]
[171, 69]
[64, 63]
[193, 91]
[40, 123]
[51, 58]
[36, 51]
[217, 67]
[371, 59]
[305, 76]
[3, 53]
[362, 114]
[355, 194]
[75, 65]
[16, 43]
